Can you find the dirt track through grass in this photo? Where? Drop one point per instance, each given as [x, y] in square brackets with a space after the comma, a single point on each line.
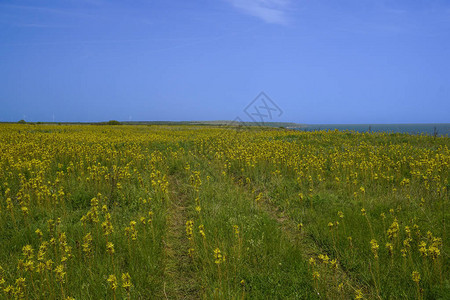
[179, 282]
[153, 212]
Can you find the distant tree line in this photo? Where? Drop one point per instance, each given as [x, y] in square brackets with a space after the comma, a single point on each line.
[110, 122]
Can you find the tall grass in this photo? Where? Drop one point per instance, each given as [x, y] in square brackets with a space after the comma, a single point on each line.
[90, 211]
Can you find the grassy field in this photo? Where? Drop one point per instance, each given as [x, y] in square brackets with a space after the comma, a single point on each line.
[199, 212]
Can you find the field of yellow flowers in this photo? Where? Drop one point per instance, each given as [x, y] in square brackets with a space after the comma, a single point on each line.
[210, 212]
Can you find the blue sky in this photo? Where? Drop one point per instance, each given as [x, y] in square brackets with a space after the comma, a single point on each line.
[348, 61]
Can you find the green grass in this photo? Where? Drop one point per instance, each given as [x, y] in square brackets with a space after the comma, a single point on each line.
[245, 190]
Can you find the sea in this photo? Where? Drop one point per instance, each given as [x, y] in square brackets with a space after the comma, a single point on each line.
[438, 129]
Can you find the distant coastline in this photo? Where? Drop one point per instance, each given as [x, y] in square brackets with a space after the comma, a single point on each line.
[438, 129]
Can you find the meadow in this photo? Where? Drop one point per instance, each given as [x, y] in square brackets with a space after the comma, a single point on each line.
[216, 212]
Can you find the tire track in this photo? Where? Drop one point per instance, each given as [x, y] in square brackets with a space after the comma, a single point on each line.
[179, 277]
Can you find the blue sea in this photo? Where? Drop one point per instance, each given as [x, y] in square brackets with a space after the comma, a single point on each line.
[440, 129]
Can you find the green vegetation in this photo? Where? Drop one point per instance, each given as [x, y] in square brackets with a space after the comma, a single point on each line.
[210, 212]
[110, 122]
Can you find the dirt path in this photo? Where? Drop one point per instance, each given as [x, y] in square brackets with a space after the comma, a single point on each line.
[179, 277]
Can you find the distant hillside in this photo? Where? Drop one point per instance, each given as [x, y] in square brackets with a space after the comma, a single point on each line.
[216, 123]
[289, 125]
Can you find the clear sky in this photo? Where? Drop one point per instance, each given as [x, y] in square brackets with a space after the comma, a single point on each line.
[346, 61]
